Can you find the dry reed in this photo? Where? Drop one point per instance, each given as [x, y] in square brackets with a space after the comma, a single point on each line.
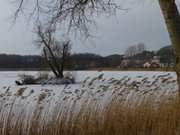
[92, 119]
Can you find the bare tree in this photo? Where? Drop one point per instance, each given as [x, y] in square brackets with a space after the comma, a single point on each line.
[130, 51]
[141, 47]
[172, 20]
[135, 49]
[55, 52]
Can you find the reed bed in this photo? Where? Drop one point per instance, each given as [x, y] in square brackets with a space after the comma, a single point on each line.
[115, 118]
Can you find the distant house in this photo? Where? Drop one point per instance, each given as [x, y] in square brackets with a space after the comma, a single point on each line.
[147, 65]
[155, 62]
[156, 59]
[155, 65]
[138, 62]
[125, 63]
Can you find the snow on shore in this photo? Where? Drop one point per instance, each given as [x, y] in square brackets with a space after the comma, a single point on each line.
[100, 87]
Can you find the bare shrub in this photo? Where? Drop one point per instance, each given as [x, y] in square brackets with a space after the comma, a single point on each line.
[26, 79]
[71, 76]
[42, 75]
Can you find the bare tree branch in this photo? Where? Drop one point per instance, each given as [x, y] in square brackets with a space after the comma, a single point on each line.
[77, 15]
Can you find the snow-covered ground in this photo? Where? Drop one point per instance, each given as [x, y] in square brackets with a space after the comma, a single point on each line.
[100, 87]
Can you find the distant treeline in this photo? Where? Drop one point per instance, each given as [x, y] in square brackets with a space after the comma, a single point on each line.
[77, 61]
[81, 61]
[20, 62]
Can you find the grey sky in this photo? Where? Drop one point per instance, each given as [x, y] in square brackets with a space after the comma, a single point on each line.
[142, 23]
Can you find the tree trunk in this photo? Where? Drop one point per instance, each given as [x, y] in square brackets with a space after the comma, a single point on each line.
[63, 62]
[172, 20]
[62, 67]
[55, 64]
[49, 62]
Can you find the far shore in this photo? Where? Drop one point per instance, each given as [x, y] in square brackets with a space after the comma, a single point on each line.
[91, 69]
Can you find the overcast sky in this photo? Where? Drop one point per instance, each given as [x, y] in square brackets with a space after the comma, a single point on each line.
[143, 23]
